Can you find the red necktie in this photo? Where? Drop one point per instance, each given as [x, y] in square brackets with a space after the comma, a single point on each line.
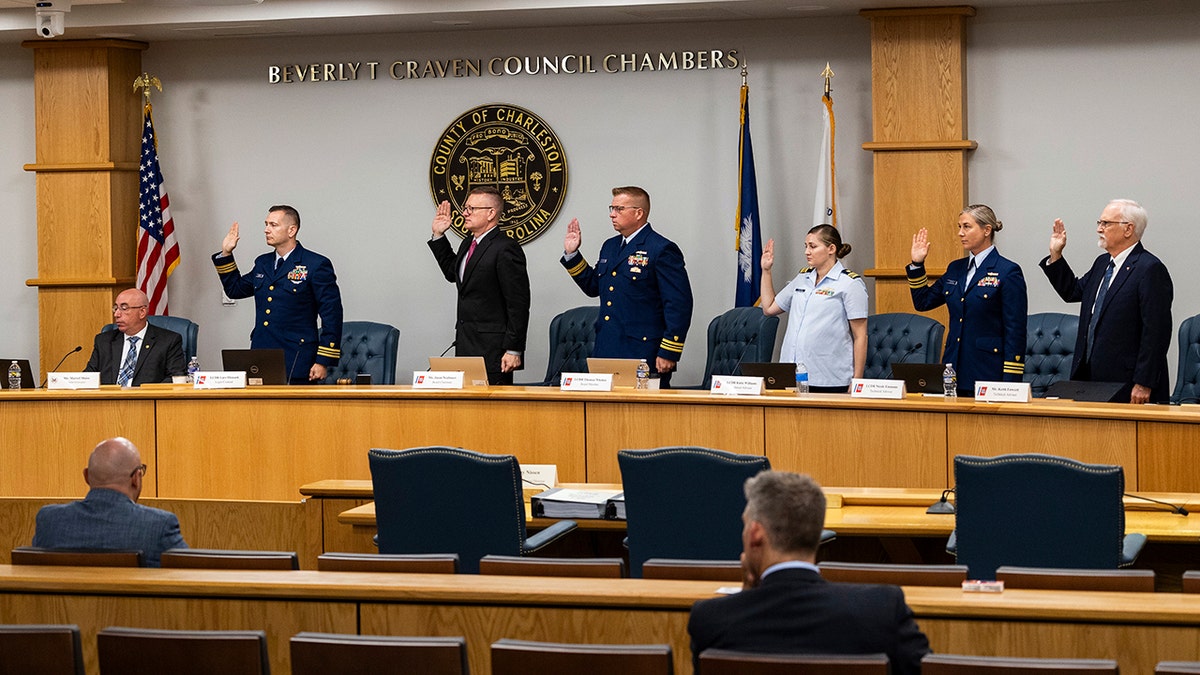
[469, 252]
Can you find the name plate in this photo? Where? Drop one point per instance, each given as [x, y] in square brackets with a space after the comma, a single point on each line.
[1002, 392]
[73, 381]
[870, 388]
[220, 379]
[736, 385]
[586, 382]
[438, 379]
[541, 476]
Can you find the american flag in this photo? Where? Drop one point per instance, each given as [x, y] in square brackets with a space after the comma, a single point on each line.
[157, 250]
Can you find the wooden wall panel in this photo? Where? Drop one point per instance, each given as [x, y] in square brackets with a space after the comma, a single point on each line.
[914, 190]
[1166, 459]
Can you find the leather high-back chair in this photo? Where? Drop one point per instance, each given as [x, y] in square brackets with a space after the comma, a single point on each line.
[1049, 348]
[572, 337]
[894, 338]
[685, 502]
[187, 329]
[450, 500]
[40, 650]
[521, 657]
[1187, 383]
[149, 651]
[725, 662]
[1037, 510]
[368, 348]
[350, 654]
[740, 335]
[73, 557]
[227, 559]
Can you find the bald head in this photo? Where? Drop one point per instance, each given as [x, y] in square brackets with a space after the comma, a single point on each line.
[130, 310]
[114, 464]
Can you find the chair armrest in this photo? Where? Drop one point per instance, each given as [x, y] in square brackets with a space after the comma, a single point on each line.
[549, 535]
[1131, 547]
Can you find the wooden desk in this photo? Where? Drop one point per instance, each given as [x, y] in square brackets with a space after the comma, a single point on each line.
[1136, 629]
[313, 433]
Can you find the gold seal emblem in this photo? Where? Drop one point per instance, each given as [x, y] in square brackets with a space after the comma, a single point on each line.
[511, 149]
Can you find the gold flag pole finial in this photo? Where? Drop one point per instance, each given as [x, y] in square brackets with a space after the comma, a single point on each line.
[828, 75]
[144, 82]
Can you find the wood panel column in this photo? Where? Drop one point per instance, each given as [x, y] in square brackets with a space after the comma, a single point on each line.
[918, 114]
[88, 126]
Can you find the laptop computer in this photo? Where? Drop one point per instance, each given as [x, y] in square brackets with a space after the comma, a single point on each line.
[1078, 390]
[920, 378]
[473, 368]
[262, 366]
[26, 373]
[624, 371]
[774, 375]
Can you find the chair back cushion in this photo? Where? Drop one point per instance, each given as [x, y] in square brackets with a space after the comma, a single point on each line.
[448, 500]
[521, 657]
[326, 653]
[572, 337]
[742, 334]
[685, 502]
[726, 662]
[46, 649]
[1037, 511]
[894, 337]
[369, 348]
[1187, 386]
[1049, 348]
[148, 651]
[228, 559]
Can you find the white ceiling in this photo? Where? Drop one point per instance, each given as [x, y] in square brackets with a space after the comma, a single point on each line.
[154, 20]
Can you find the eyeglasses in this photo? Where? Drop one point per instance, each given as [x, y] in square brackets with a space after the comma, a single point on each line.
[125, 308]
[617, 209]
[1109, 223]
[141, 468]
[468, 209]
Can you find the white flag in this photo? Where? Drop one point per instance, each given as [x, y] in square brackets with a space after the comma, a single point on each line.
[825, 202]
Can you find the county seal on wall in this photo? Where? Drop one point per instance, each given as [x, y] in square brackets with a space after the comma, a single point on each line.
[511, 149]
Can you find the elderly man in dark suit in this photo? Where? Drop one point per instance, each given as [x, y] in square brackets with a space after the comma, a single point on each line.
[1125, 313]
[785, 607]
[493, 284]
[136, 352]
[110, 517]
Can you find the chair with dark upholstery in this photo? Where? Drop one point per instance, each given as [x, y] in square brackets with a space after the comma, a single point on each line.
[149, 651]
[726, 662]
[1049, 348]
[186, 328]
[40, 650]
[685, 502]
[740, 335]
[1137, 581]
[894, 338]
[509, 565]
[1187, 384]
[350, 654]
[34, 555]
[415, 563]
[572, 336]
[953, 664]
[367, 348]
[520, 657]
[481, 510]
[895, 574]
[692, 570]
[224, 559]
[1025, 510]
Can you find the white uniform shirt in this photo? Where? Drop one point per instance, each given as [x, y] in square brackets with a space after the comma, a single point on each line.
[818, 332]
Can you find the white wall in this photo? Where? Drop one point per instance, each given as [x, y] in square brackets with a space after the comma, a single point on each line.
[18, 211]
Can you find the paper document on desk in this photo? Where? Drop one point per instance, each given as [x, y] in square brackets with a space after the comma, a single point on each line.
[569, 503]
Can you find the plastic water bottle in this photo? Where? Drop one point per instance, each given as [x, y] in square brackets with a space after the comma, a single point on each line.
[950, 381]
[14, 375]
[643, 375]
[192, 367]
[801, 378]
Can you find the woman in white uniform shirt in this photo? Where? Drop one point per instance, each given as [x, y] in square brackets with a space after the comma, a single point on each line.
[828, 327]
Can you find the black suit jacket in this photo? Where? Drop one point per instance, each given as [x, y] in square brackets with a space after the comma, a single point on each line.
[795, 611]
[159, 356]
[493, 297]
[1133, 330]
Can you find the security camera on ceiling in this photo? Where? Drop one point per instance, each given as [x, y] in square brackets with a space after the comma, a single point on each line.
[50, 17]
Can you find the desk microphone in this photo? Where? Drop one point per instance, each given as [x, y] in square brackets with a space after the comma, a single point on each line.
[444, 352]
[942, 505]
[737, 366]
[906, 354]
[78, 348]
[563, 364]
[1173, 508]
[295, 359]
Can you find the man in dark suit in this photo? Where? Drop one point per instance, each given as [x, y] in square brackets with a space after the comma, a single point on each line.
[493, 284]
[110, 517]
[785, 607]
[1125, 313]
[292, 287]
[136, 352]
[640, 278]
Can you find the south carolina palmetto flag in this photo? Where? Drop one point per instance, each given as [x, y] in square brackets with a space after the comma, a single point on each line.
[749, 239]
[825, 202]
[157, 250]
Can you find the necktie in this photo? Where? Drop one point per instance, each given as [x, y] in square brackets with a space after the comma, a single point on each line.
[278, 263]
[130, 363]
[470, 252]
[970, 273]
[1091, 335]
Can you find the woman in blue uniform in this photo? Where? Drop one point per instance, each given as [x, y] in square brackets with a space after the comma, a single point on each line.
[827, 331]
[986, 298]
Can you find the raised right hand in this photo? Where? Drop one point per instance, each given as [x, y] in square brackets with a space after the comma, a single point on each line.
[574, 237]
[1058, 239]
[920, 245]
[768, 256]
[441, 220]
[230, 241]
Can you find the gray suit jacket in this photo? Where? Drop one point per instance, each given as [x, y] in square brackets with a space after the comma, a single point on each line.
[107, 519]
